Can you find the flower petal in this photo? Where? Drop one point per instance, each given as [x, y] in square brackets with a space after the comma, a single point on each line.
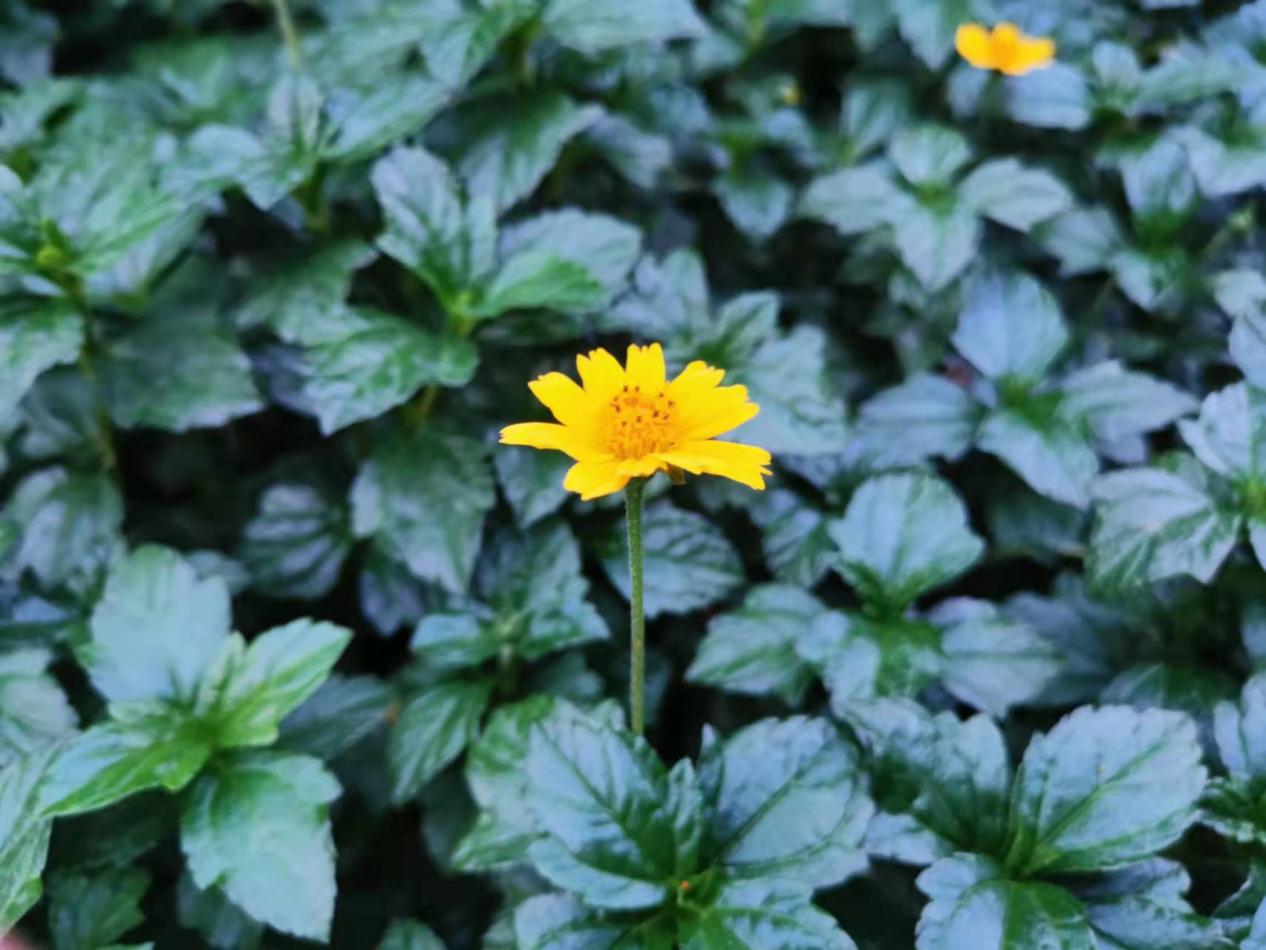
[975, 45]
[601, 374]
[644, 367]
[564, 398]
[723, 410]
[1028, 55]
[548, 435]
[745, 464]
[594, 479]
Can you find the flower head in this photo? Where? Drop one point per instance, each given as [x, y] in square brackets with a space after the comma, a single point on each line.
[1007, 48]
[630, 421]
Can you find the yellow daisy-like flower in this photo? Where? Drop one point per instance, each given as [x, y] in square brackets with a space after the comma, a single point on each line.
[630, 421]
[1007, 48]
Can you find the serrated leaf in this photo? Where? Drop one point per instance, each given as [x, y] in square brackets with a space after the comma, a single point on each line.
[510, 145]
[34, 712]
[788, 801]
[794, 538]
[35, 334]
[592, 26]
[423, 496]
[549, 921]
[24, 836]
[902, 536]
[765, 914]
[296, 543]
[1010, 327]
[972, 901]
[409, 935]
[249, 690]
[800, 411]
[146, 745]
[213, 915]
[1229, 435]
[936, 243]
[1014, 195]
[372, 361]
[258, 829]
[1048, 452]
[157, 628]
[924, 417]
[855, 200]
[1119, 403]
[88, 911]
[752, 649]
[432, 729]
[342, 711]
[689, 563]
[1076, 803]
[619, 828]
[66, 525]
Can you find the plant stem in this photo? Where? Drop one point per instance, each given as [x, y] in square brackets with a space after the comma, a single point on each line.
[288, 35]
[637, 614]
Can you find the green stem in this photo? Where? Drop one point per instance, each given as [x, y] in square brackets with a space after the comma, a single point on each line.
[637, 614]
[288, 35]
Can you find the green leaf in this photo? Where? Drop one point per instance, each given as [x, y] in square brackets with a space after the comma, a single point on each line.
[220, 922]
[592, 26]
[1120, 404]
[423, 496]
[1229, 435]
[296, 543]
[24, 835]
[67, 525]
[249, 690]
[936, 243]
[409, 935]
[1224, 167]
[993, 662]
[795, 539]
[1240, 730]
[788, 801]
[1076, 805]
[973, 904]
[553, 921]
[432, 730]
[619, 829]
[928, 154]
[89, 911]
[177, 370]
[800, 411]
[532, 483]
[366, 122]
[689, 563]
[342, 711]
[1010, 327]
[951, 777]
[258, 829]
[146, 745]
[429, 228]
[1152, 524]
[755, 199]
[157, 628]
[1011, 194]
[1048, 452]
[752, 649]
[373, 361]
[855, 200]
[509, 145]
[763, 914]
[35, 334]
[300, 297]
[34, 712]
[1056, 97]
[924, 417]
[902, 536]
[565, 260]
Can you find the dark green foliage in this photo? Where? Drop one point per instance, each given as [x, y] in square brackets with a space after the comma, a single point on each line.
[292, 651]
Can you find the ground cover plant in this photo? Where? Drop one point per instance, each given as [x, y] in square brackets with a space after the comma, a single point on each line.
[311, 631]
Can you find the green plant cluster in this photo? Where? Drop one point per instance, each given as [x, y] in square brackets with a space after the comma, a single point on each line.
[292, 651]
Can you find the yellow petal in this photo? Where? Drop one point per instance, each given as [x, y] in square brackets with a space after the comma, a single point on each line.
[696, 379]
[1028, 55]
[723, 410]
[644, 367]
[745, 464]
[547, 435]
[594, 479]
[643, 467]
[566, 400]
[601, 374]
[975, 45]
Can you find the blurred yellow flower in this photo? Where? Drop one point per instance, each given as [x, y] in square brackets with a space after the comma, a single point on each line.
[1006, 49]
[630, 421]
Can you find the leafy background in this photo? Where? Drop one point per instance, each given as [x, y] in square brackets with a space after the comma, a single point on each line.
[291, 651]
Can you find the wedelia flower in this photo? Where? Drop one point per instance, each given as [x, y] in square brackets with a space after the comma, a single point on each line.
[1007, 48]
[626, 422]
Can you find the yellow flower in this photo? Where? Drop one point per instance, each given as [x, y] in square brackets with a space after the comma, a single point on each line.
[1007, 49]
[631, 422]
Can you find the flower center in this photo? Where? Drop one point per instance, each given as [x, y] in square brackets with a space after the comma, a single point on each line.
[639, 423]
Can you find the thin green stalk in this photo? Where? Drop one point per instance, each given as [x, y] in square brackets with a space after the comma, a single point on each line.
[637, 614]
[288, 34]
